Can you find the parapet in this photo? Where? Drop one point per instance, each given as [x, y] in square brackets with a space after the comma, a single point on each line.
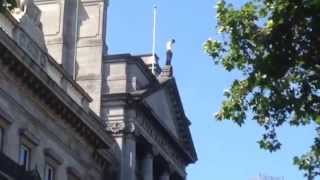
[43, 60]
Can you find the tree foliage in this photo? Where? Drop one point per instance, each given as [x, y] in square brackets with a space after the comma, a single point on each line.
[276, 45]
[7, 4]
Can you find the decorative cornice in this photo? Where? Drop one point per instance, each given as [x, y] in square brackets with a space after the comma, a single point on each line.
[170, 152]
[116, 127]
[183, 122]
[168, 135]
[22, 67]
[36, 53]
[130, 59]
[137, 100]
[53, 155]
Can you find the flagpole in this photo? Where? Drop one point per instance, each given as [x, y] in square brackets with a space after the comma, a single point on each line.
[154, 37]
[76, 41]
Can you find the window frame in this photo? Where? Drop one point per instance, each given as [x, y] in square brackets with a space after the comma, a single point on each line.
[26, 163]
[51, 167]
[4, 125]
[2, 135]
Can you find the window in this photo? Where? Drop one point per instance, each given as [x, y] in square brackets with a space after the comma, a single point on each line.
[28, 142]
[24, 158]
[1, 138]
[49, 173]
[52, 163]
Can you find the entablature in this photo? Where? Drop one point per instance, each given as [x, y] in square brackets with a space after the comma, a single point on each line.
[16, 61]
[145, 123]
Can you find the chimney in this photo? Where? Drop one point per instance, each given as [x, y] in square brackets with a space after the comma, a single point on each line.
[152, 62]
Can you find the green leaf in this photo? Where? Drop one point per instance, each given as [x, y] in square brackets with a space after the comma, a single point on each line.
[275, 44]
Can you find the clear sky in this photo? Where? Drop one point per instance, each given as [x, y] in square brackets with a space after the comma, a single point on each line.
[225, 151]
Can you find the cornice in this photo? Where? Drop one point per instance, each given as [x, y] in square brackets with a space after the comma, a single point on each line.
[183, 121]
[144, 107]
[130, 59]
[22, 67]
[35, 52]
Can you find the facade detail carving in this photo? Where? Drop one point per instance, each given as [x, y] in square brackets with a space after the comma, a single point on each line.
[23, 4]
[162, 142]
[116, 127]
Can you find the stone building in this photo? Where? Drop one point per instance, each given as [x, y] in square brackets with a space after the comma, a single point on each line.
[70, 111]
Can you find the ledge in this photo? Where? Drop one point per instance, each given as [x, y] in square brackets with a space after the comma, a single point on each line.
[27, 136]
[49, 153]
[41, 58]
[34, 78]
[130, 59]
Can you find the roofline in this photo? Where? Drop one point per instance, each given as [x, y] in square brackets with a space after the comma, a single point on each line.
[84, 117]
[128, 58]
[180, 106]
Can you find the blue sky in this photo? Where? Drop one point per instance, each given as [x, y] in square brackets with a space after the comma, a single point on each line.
[225, 151]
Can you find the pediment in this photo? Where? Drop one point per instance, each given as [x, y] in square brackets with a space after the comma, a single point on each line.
[164, 100]
[160, 103]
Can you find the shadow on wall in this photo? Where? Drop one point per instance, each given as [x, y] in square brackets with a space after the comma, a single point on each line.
[82, 16]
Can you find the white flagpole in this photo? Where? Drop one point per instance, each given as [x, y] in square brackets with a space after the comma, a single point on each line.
[75, 42]
[154, 37]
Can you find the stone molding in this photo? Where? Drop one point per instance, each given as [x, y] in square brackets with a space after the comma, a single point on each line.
[56, 100]
[51, 155]
[165, 148]
[150, 128]
[5, 119]
[28, 137]
[131, 59]
[182, 122]
[120, 127]
[115, 127]
[44, 60]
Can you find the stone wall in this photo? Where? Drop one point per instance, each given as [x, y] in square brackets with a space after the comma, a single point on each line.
[28, 118]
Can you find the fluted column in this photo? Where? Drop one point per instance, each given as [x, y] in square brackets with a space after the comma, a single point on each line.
[165, 175]
[147, 166]
[128, 159]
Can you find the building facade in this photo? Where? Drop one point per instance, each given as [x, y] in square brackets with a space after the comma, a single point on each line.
[68, 110]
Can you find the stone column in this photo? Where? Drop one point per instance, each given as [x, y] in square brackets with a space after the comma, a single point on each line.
[165, 175]
[147, 166]
[128, 159]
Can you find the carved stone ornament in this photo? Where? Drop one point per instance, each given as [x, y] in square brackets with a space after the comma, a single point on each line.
[162, 141]
[23, 4]
[130, 127]
[115, 127]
